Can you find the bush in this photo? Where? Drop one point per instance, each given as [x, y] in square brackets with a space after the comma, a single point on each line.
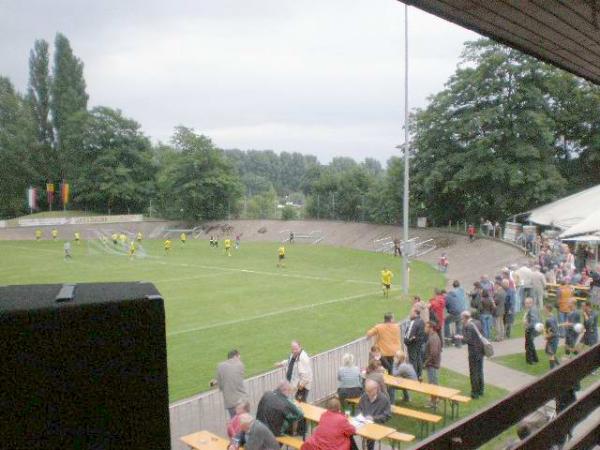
[288, 213]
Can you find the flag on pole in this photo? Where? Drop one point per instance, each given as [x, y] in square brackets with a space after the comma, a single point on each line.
[64, 192]
[32, 198]
[50, 193]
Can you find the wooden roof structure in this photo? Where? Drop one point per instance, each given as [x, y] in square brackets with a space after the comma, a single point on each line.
[565, 33]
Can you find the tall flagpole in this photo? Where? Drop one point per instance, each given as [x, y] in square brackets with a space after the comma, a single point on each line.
[405, 262]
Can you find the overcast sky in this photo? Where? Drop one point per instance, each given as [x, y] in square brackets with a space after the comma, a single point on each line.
[314, 76]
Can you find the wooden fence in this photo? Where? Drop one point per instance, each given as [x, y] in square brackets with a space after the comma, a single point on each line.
[206, 411]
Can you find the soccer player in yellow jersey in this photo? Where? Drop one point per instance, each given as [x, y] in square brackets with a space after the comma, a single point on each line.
[386, 281]
[183, 238]
[281, 256]
[77, 237]
[167, 245]
[123, 238]
[114, 238]
[227, 245]
[132, 249]
[140, 236]
[54, 234]
[38, 234]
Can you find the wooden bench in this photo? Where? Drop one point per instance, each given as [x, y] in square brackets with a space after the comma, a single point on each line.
[399, 438]
[290, 441]
[455, 403]
[424, 418]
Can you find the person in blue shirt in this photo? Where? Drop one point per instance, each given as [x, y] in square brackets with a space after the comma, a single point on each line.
[571, 335]
[551, 335]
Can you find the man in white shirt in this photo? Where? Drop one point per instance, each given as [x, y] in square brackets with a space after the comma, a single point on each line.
[298, 371]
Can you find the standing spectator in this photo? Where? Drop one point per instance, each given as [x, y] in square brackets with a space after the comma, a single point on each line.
[486, 313]
[538, 286]
[421, 306]
[334, 431]
[499, 309]
[436, 307]
[387, 338]
[349, 380]
[375, 406]
[509, 302]
[590, 323]
[277, 411]
[299, 371]
[258, 435]
[403, 369]
[414, 339]
[454, 307]
[472, 329]
[570, 334]
[475, 296]
[551, 335]
[531, 318]
[433, 358]
[471, 232]
[564, 296]
[230, 379]
[523, 281]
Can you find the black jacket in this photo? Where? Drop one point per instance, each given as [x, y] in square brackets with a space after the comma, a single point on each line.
[415, 335]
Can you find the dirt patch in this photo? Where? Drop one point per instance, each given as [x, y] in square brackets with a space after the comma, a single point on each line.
[444, 241]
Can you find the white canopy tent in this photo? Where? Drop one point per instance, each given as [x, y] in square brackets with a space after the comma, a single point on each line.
[576, 214]
[589, 225]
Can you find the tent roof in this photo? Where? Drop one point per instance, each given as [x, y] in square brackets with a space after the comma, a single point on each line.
[589, 225]
[584, 238]
[565, 33]
[570, 211]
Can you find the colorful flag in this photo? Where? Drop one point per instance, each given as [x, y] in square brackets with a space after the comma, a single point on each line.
[50, 193]
[64, 192]
[32, 198]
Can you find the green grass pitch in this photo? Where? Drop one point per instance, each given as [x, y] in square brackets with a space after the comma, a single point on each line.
[325, 296]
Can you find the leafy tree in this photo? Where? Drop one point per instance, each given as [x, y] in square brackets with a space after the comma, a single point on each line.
[68, 97]
[484, 145]
[263, 206]
[17, 141]
[116, 164]
[198, 183]
[288, 213]
[39, 91]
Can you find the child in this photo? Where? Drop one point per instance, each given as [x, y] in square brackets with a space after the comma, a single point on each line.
[443, 263]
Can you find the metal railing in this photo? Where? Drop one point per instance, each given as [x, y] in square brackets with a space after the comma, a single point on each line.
[479, 428]
[206, 411]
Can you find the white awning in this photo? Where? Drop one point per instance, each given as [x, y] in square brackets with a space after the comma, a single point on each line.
[589, 225]
[583, 238]
[571, 211]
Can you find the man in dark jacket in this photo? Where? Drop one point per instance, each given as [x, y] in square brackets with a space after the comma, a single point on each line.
[454, 307]
[475, 347]
[433, 358]
[277, 411]
[500, 309]
[414, 339]
[532, 317]
[374, 405]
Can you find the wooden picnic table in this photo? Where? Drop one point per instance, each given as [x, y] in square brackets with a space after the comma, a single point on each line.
[577, 287]
[205, 440]
[371, 431]
[434, 390]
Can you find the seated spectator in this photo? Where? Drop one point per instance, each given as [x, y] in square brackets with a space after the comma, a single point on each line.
[233, 426]
[375, 372]
[375, 353]
[403, 369]
[349, 379]
[277, 411]
[258, 435]
[334, 431]
[374, 405]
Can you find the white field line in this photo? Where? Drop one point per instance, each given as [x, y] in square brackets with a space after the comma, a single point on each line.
[228, 269]
[270, 314]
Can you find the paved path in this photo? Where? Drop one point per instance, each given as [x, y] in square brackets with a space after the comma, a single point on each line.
[495, 374]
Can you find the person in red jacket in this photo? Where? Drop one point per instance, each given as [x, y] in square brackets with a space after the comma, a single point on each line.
[334, 431]
[436, 312]
[471, 232]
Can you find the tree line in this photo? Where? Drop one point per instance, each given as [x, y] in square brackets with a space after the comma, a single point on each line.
[506, 133]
